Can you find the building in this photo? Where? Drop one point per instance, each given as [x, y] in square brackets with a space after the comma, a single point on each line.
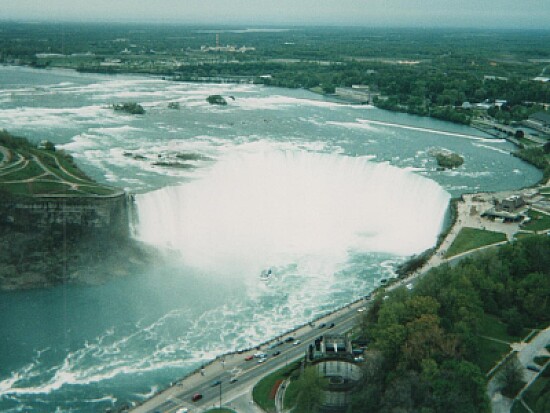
[510, 204]
[356, 93]
[511, 209]
[539, 121]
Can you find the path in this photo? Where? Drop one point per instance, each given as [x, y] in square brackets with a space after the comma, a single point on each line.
[526, 352]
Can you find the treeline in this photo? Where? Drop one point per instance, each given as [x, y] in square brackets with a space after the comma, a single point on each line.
[424, 72]
[537, 156]
[425, 342]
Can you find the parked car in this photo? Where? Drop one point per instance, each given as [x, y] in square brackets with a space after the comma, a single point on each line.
[276, 353]
[233, 380]
[216, 383]
[182, 410]
[533, 368]
[196, 397]
[289, 339]
[248, 358]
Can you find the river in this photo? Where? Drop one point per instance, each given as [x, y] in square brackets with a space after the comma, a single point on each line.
[329, 196]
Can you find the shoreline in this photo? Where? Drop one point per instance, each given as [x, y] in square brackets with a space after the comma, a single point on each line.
[462, 219]
[392, 284]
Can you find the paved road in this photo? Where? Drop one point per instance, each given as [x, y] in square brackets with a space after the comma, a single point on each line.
[246, 372]
[249, 372]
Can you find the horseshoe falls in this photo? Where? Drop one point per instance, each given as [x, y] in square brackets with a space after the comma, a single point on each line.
[330, 197]
[278, 208]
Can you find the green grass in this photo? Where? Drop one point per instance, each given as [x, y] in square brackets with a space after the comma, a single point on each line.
[472, 238]
[96, 190]
[222, 410]
[492, 326]
[31, 170]
[490, 353]
[518, 407]
[262, 390]
[541, 360]
[52, 183]
[538, 222]
[537, 396]
[291, 395]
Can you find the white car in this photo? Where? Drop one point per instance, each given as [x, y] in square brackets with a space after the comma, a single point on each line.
[182, 410]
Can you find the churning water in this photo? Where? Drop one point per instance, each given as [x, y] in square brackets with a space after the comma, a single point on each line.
[329, 196]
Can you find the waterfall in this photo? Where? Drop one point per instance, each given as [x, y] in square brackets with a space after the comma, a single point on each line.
[254, 210]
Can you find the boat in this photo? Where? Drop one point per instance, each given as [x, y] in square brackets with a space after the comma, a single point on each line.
[265, 274]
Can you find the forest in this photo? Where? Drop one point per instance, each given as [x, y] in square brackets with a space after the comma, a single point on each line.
[426, 352]
[428, 72]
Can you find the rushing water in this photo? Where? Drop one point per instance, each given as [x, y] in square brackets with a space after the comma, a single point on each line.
[329, 196]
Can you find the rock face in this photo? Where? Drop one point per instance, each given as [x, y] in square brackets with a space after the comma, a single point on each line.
[107, 215]
[216, 100]
[46, 241]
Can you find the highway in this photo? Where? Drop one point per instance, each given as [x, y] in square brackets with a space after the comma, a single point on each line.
[246, 372]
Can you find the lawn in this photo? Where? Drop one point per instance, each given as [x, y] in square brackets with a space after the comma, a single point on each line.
[537, 396]
[262, 390]
[518, 407]
[48, 179]
[472, 238]
[492, 326]
[538, 222]
[490, 353]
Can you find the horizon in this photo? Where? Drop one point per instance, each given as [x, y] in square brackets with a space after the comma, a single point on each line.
[468, 14]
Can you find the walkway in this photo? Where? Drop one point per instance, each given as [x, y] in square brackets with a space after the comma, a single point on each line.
[526, 353]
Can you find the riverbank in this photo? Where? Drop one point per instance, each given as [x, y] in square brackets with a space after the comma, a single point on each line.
[468, 215]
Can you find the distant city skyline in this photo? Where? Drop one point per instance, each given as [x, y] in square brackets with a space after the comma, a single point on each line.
[370, 13]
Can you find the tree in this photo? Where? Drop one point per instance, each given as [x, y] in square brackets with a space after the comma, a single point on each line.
[460, 388]
[510, 378]
[310, 387]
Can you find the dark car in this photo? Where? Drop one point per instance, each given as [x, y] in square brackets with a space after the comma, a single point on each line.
[289, 339]
[276, 353]
[331, 325]
[196, 397]
[323, 325]
[533, 368]
[216, 383]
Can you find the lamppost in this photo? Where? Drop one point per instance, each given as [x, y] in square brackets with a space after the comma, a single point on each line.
[220, 395]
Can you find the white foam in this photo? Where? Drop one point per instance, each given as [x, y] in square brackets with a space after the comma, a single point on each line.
[353, 125]
[280, 207]
[276, 102]
[492, 148]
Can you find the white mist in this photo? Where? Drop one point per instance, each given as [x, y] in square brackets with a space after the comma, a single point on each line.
[274, 208]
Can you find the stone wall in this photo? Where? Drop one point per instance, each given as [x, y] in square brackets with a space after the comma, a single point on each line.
[84, 214]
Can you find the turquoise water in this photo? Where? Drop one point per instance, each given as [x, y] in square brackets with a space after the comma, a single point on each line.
[279, 172]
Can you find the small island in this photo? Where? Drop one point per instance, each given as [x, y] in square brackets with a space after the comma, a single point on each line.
[216, 100]
[132, 108]
[448, 160]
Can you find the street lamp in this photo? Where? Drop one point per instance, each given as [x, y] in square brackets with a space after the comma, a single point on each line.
[220, 395]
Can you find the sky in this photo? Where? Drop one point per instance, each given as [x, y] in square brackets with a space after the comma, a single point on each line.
[370, 13]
